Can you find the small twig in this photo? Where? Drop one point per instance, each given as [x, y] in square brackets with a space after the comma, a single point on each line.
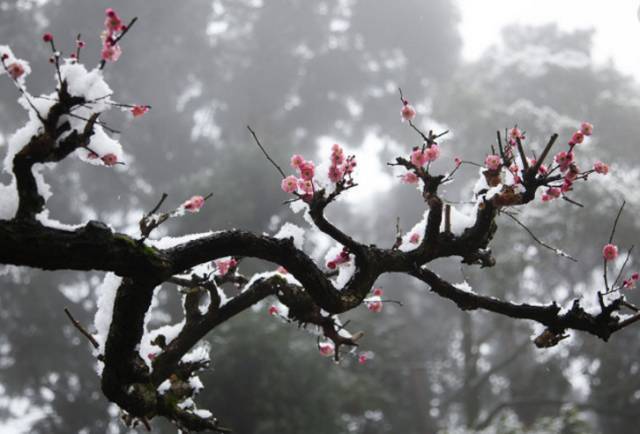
[427, 140]
[102, 124]
[78, 48]
[56, 57]
[630, 306]
[624, 264]
[255, 137]
[398, 241]
[157, 207]
[398, 302]
[447, 218]
[523, 157]
[81, 329]
[604, 260]
[401, 95]
[627, 322]
[615, 222]
[536, 239]
[544, 154]
[23, 92]
[500, 146]
[572, 202]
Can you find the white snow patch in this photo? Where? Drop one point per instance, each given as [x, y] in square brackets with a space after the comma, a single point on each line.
[205, 414]
[164, 387]
[196, 384]
[289, 230]
[169, 242]
[170, 332]
[106, 298]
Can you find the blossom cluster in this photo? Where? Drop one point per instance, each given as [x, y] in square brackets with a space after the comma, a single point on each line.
[565, 163]
[225, 265]
[630, 282]
[113, 29]
[341, 167]
[340, 172]
[341, 258]
[421, 156]
[304, 182]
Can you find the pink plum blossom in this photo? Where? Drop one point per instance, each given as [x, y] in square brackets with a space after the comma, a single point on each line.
[554, 192]
[109, 159]
[578, 137]
[194, 204]
[296, 161]
[335, 174]
[610, 252]
[224, 265]
[307, 170]
[492, 162]
[349, 165]
[572, 173]
[306, 186]
[409, 178]
[601, 167]
[327, 348]
[564, 159]
[289, 184]
[408, 112]
[516, 133]
[112, 22]
[586, 128]
[111, 53]
[337, 155]
[340, 258]
[414, 238]
[418, 158]
[15, 70]
[139, 110]
[432, 153]
[374, 304]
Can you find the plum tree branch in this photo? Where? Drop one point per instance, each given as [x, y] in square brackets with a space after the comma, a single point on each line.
[133, 381]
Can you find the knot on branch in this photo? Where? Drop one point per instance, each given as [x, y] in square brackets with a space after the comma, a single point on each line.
[549, 338]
